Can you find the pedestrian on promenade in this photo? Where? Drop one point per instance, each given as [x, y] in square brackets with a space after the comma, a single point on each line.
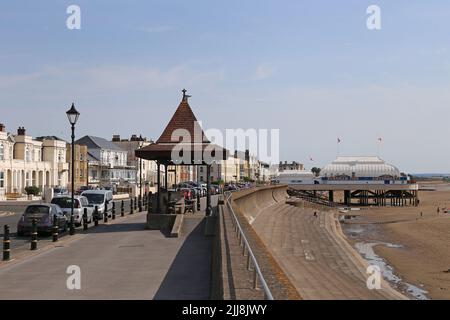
[421, 214]
[315, 214]
[438, 210]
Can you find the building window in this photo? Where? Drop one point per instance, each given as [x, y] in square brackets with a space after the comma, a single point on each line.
[2, 179]
[60, 157]
[2, 152]
[27, 154]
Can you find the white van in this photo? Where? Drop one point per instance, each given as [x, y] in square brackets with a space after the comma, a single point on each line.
[101, 199]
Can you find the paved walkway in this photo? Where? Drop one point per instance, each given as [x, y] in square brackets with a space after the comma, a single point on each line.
[319, 262]
[117, 261]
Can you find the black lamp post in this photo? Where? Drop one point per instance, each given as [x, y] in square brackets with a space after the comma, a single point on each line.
[72, 115]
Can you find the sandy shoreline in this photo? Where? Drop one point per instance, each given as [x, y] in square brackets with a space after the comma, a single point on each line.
[419, 244]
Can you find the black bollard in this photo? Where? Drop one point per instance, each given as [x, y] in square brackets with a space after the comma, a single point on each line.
[6, 244]
[135, 203]
[55, 228]
[198, 201]
[113, 211]
[72, 226]
[34, 235]
[105, 213]
[149, 202]
[96, 216]
[140, 204]
[131, 206]
[122, 209]
[85, 219]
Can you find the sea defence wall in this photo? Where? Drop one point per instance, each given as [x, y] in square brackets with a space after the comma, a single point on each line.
[234, 280]
[251, 202]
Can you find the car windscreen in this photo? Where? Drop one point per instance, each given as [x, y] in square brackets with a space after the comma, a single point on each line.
[94, 198]
[64, 202]
[37, 210]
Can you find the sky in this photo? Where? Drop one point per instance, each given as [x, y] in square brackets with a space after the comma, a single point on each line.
[311, 69]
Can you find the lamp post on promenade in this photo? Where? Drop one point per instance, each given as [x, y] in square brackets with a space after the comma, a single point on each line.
[72, 115]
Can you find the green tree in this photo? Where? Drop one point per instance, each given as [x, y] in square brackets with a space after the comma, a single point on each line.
[316, 171]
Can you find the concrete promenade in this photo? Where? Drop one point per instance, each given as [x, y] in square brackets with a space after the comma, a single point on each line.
[118, 260]
[314, 255]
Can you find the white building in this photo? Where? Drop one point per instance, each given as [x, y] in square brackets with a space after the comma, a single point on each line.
[108, 163]
[25, 161]
[145, 168]
[366, 169]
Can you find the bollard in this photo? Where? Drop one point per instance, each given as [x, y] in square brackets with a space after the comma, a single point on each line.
[149, 203]
[34, 235]
[6, 244]
[105, 213]
[145, 199]
[96, 216]
[131, 206]
[122, 209]
[113, 211]
[72, 226]
[55, 228]
[85, 219]
[140, 204]
[198, 201]
[135, 203]
[145, 204]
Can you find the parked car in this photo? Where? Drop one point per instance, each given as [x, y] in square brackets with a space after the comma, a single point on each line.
[44, 215]
[82, 189]
[59, 191]
[101, 199]
[80, 203]
[187, 192]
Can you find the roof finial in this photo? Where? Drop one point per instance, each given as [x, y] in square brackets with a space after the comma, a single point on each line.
[185, 96]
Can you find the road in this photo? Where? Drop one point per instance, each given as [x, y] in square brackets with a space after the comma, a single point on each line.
[10, 215]
[119, 260]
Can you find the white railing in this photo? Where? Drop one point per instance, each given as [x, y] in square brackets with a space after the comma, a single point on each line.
[251, 259]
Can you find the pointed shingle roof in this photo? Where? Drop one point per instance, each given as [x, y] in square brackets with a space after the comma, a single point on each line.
[183, 118]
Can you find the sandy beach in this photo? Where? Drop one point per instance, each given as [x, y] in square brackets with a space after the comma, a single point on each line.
[414, 241]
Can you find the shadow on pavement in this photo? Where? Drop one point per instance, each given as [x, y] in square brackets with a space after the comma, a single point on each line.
[189, 276]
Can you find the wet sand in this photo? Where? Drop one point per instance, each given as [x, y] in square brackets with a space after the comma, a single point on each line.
[417, 248]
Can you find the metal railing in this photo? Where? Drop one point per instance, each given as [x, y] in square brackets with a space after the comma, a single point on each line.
[251, 259]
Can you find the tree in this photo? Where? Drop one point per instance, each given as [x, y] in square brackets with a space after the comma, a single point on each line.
[316, 171]
[33, 190]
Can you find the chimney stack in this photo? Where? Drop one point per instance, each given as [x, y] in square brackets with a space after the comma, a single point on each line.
[2, 127]
[116, 138]
[21, 131]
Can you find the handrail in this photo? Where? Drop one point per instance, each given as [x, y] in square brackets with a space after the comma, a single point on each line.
[250, 257]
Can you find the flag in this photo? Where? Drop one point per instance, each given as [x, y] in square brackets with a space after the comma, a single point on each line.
[338, 140]
[380, 140]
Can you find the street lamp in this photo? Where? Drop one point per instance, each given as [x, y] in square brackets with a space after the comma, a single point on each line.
[72, 115]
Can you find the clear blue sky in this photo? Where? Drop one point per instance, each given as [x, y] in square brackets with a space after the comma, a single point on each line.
[309, 68]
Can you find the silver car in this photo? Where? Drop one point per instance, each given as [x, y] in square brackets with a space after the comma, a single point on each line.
[80, 203]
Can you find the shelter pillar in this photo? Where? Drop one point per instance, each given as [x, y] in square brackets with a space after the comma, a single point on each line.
[208, 190]
[158, 179]
[331, 196]
[166, 166]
